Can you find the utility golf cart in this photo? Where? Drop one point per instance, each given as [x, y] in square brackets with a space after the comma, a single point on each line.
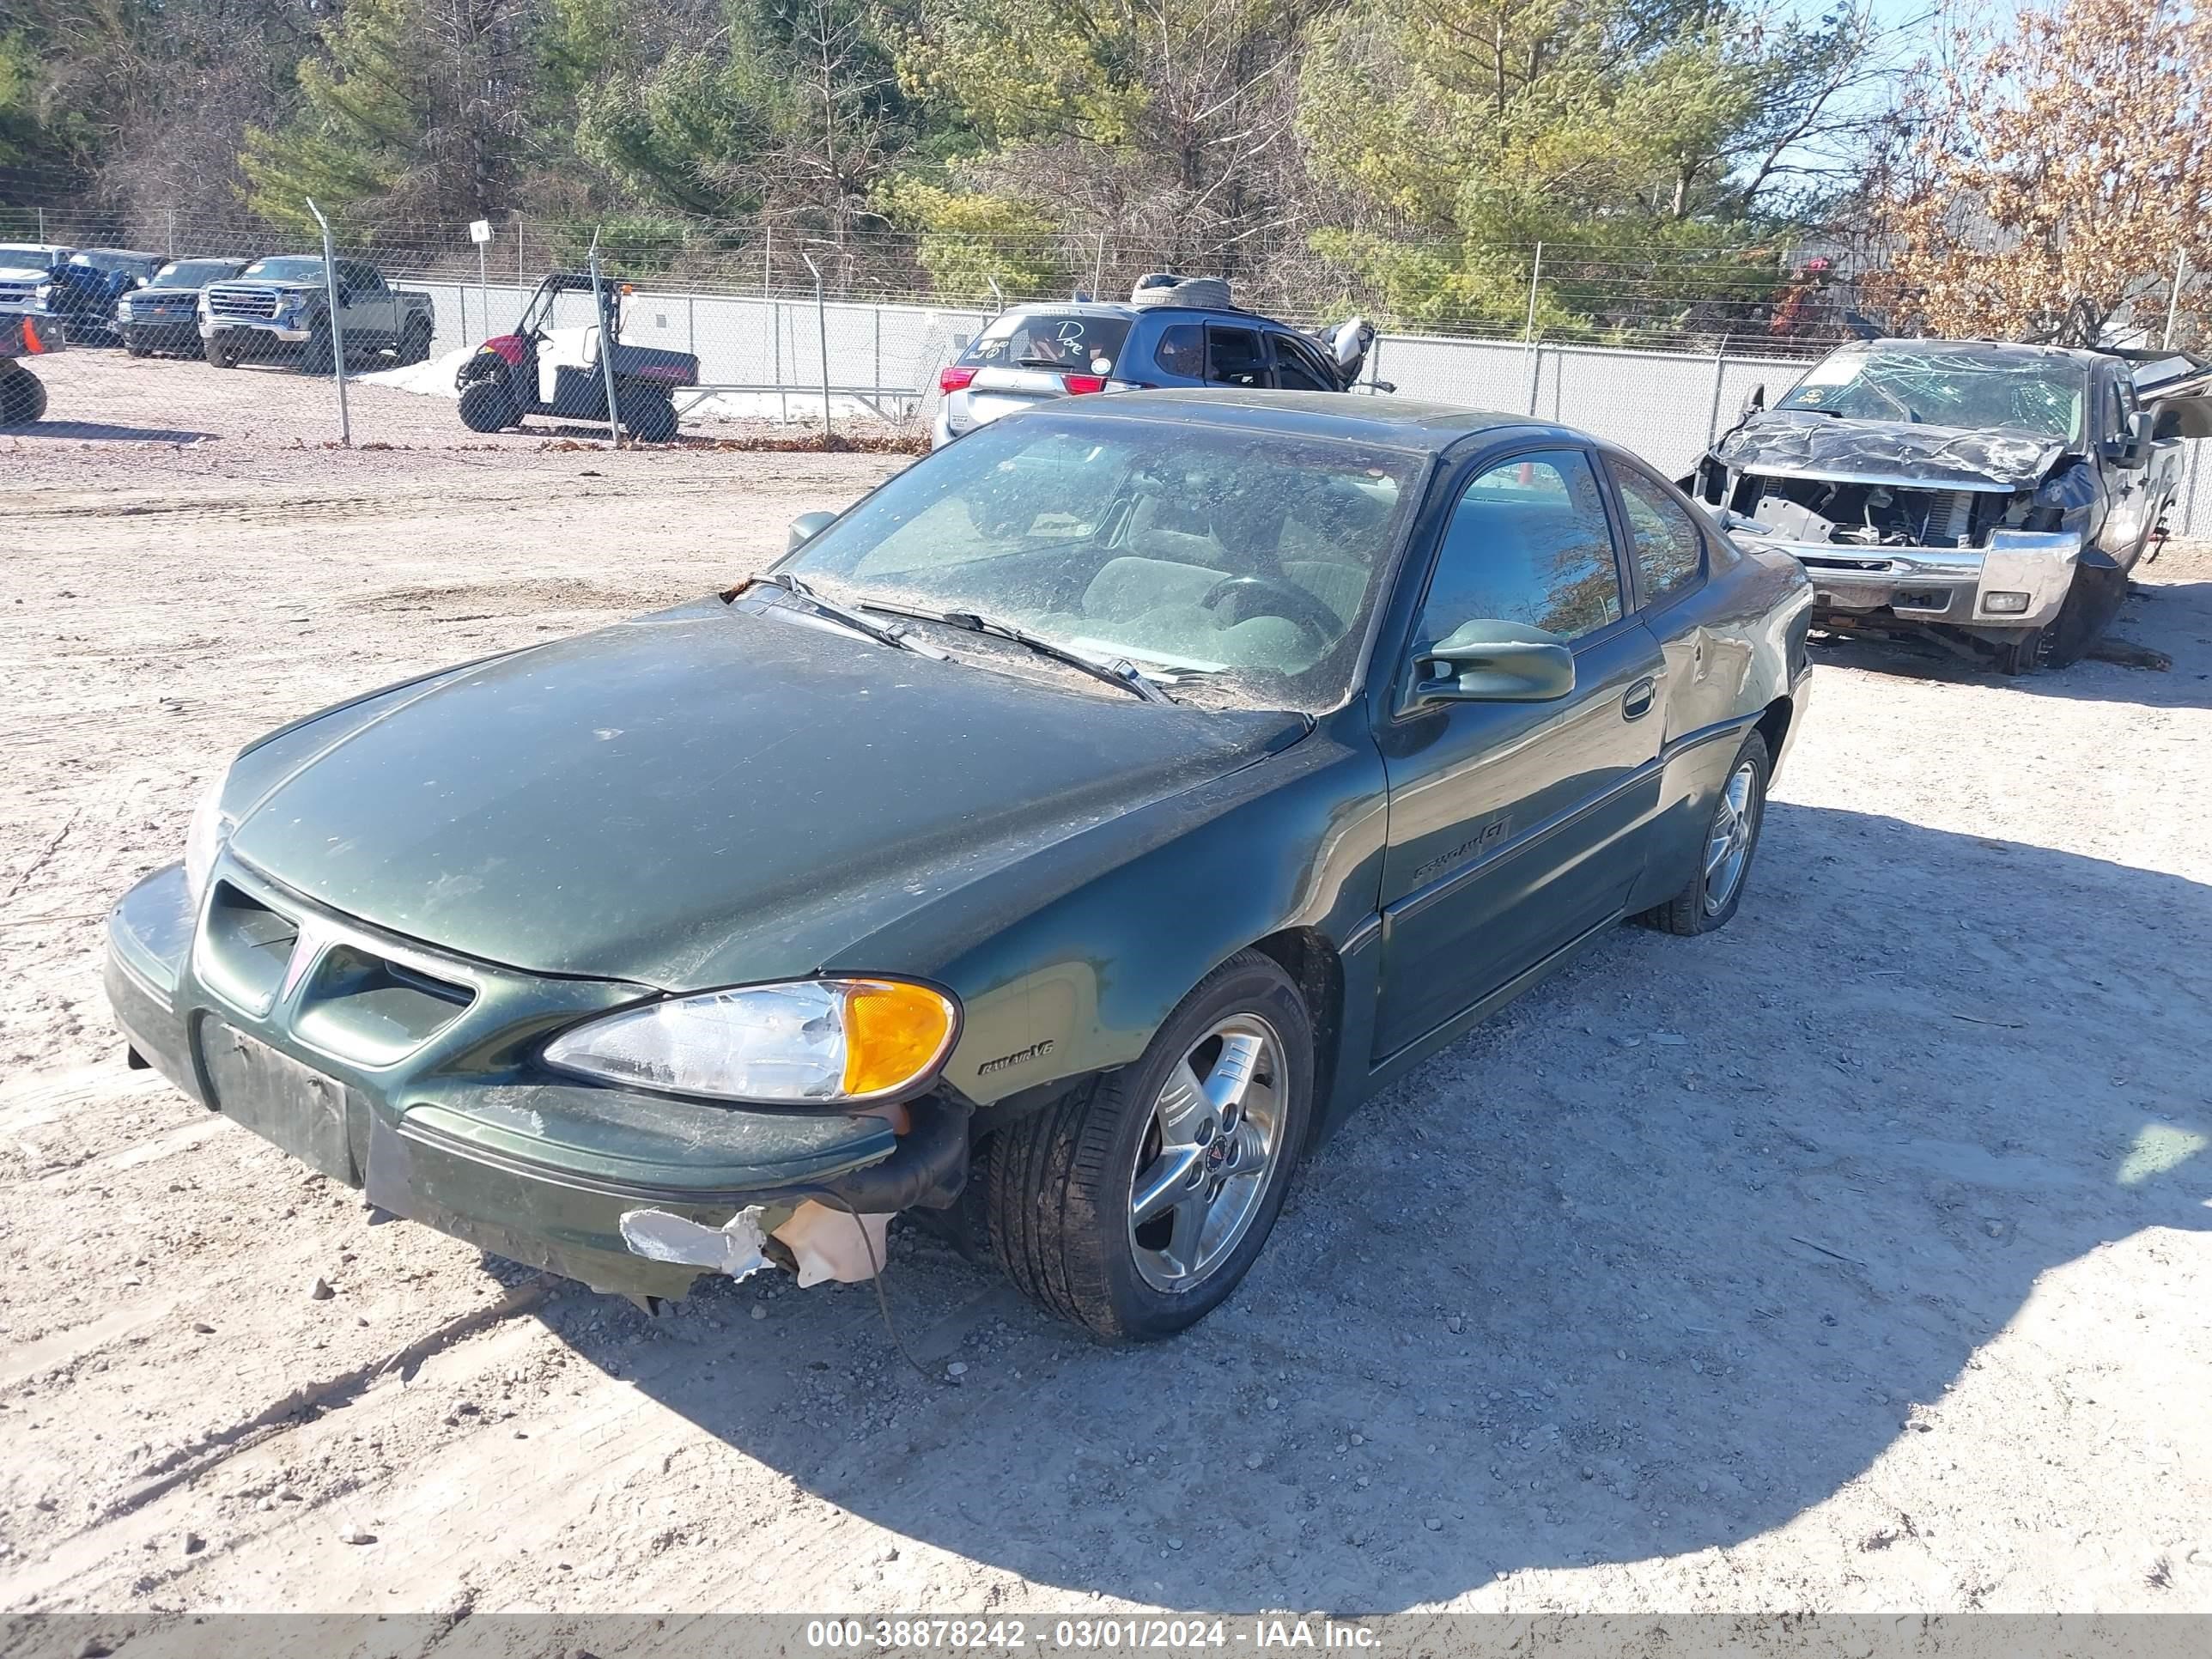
[507, 380]
[23, 394]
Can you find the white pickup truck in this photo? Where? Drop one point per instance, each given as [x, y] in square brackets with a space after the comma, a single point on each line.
[280, 307]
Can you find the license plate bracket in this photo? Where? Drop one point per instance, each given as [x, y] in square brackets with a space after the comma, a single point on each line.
[291, 1105]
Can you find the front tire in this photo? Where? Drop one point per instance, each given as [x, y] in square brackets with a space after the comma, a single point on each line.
[1135, 1205]
[1725, 850]
[217, 351]
[488, 407]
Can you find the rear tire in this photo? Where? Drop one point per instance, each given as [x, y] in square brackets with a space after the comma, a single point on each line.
[1136, 1204]
[488, 407]
[414, 344]
[22, 396]
[1726, 849]
[649, 416]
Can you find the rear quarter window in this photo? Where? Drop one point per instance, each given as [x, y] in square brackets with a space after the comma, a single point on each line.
[1063, 343]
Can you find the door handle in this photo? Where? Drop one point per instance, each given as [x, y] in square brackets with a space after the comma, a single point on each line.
[1636, 702]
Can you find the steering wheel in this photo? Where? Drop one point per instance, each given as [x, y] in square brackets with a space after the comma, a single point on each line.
[1283, 598]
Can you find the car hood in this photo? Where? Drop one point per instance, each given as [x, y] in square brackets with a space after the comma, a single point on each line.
[1788, 444]
[703, 797]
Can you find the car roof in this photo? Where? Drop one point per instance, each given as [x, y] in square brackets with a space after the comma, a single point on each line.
[1128, 313]
[1408, 424]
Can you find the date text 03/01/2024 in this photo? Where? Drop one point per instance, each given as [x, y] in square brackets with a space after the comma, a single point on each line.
[1142, 1633]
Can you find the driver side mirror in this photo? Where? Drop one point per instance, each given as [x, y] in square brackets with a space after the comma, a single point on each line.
[805, 527]
[1493, 661]
[2131, 449]
[1754, 402]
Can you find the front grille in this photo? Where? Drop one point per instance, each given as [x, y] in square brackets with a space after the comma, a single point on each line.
[18, 293]
[345, 998]
[1822, 562]
[242, 304]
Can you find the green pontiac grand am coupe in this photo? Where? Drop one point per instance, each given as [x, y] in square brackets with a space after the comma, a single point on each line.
[1059, 840]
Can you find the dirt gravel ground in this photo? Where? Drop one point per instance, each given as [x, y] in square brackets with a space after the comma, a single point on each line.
[1853, 1258]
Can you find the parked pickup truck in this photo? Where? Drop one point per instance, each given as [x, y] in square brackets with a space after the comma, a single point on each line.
[1988, 496]
[280, 307]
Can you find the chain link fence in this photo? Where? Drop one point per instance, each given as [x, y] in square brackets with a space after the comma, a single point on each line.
[747, 337]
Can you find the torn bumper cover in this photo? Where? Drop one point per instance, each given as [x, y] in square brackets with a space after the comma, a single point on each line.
[2019, 581]
[449, 1124]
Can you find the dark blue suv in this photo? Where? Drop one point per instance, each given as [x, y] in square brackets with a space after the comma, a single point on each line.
[1033, 354]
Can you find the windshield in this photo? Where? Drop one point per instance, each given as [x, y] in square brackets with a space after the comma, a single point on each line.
[15, 256]
[99, 259]
[192, 273]
[2044, 396]
[1066, 342]
[286, 268]
[1237, 566]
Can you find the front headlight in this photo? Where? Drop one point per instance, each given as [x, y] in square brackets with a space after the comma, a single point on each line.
[43, 293]
[822, 1041]
[210, 829]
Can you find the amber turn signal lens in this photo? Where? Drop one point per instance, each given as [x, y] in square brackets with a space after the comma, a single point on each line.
[894, 1033]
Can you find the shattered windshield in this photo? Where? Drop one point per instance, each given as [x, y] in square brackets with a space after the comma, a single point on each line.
[2044, 396]
[1226, 565]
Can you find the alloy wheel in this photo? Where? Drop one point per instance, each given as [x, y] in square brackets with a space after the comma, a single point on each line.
[1727, 842]
[1208, 1154]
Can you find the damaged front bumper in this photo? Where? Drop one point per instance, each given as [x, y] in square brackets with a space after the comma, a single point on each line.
[2018, 582]
[410, 1075]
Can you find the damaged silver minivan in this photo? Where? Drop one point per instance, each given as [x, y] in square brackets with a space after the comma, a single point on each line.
[1991, 497]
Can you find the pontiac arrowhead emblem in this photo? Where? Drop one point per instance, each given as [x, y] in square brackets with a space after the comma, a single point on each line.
[304, 950]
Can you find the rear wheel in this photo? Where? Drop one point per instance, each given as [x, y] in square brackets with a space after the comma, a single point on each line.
[1135, 1205]
[1725, 850]
[487, 406]
[22, 396]
[648, 415]
[415, 344]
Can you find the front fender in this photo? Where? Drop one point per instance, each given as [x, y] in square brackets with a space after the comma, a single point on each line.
[1074, 976]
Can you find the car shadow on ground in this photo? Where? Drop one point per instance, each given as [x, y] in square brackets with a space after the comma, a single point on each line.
[1664, 1256]
[101, 431]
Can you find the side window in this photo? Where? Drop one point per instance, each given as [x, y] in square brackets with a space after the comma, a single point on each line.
[1234, 356]
[1526, 543]
[1182, 351]
[1663, 539]
[362, 279]
[1296, 370]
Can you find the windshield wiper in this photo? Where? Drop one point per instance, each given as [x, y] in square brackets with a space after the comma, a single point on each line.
[897, 639]
[1121, 671]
